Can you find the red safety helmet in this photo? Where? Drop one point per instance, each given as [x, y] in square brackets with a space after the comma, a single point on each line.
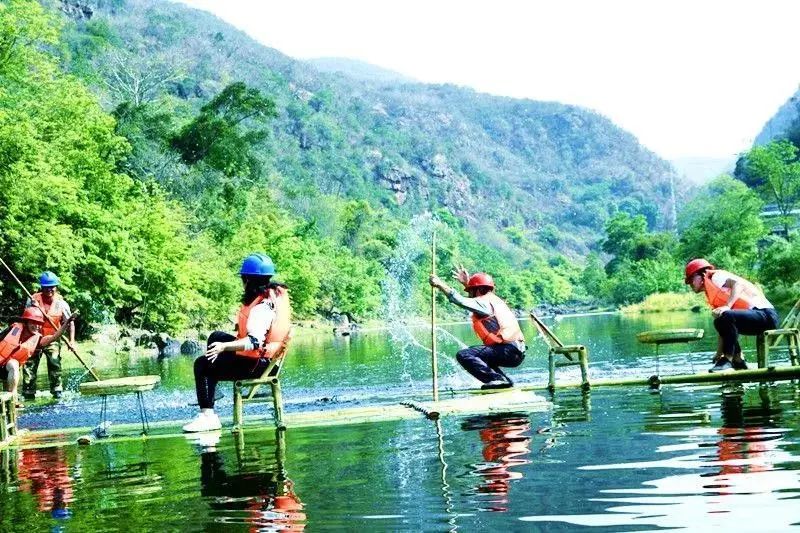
[694, 266]
[33, 314]
[481, 279]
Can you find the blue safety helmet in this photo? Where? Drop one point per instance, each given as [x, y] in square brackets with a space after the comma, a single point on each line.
[48, 279]
[257, 265]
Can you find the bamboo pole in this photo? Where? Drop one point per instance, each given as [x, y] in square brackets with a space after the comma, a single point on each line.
[66, 341]
[434, 363]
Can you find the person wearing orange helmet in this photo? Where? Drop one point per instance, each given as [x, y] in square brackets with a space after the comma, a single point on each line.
[738, 306]
[50, 302]
[493, 322]
[20, 340]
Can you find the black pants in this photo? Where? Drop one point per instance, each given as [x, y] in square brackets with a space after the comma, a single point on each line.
[226, 367]
[484, 362]
[747, 322]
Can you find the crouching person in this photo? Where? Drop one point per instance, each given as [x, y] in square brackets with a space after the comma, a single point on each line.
[738, 307]
[495, 325]
[20, 340]
[263, 326]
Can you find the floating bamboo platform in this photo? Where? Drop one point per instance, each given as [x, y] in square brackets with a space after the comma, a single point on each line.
[462, 403]
[755, 375]
[520, 398]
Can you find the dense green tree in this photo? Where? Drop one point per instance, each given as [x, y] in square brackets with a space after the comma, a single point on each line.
[217, 137]
[722, 224]
[627, 239]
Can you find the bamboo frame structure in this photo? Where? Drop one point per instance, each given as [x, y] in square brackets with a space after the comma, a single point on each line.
[788, 331]
[8, 418]
[556, 347]
[266, 379]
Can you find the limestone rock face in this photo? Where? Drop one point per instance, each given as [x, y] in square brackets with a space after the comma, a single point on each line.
[76, 10]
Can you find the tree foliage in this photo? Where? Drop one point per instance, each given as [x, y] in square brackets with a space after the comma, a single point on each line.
[774, 171]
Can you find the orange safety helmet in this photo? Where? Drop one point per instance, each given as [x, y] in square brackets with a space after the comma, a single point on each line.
[481, 279]
[694, 266]
[33, 314]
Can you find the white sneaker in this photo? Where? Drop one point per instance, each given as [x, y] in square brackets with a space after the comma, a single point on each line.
[203, 422]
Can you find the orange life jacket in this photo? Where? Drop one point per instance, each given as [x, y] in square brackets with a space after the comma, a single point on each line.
[278, 331]
[53, 310]
[499, 328]
[718, 296]
[11, 346]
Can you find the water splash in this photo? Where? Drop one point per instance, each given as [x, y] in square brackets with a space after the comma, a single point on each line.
[400, 310]
[399, 305]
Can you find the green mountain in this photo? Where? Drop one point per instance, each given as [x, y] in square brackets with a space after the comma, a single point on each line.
[556, 172]
[784, 124]
[169, 145]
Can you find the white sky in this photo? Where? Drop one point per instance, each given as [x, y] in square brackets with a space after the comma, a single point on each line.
[687, 77]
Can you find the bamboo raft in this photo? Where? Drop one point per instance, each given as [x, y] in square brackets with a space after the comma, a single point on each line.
[465, 403]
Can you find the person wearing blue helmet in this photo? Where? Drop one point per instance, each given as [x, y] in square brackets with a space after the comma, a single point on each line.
[263, 324]
[50, 302]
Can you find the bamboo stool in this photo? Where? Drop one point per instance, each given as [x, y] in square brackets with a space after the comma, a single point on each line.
[111, 387]
[556, 347]
[770, 338]
[8, 418]
[271, 377]
[667, 336]
[788, 330]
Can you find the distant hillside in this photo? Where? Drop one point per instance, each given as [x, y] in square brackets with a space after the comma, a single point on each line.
[554, 172]
[359, 70]
[785, 122]
[699, 170]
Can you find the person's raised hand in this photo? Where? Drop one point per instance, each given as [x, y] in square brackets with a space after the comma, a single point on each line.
[461, 275]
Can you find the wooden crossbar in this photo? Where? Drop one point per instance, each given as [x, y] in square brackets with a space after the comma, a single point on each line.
[549, 337]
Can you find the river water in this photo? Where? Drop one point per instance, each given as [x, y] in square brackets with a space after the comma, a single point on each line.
[617, 459]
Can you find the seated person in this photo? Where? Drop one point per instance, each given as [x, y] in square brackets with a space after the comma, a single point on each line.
[263, 327]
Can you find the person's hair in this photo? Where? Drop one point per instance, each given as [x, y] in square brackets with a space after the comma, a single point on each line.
[255, 286]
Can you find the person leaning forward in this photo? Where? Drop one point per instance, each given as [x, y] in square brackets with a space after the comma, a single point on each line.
[738, 306]
[493, 322]
[263, 327]
[20, 340]
[50, 302]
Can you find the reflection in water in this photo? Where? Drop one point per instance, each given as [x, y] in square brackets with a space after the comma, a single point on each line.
[259, 495]
[44, 473]
[747, 435]
[749, 472]
[506, 445]
[8, 465]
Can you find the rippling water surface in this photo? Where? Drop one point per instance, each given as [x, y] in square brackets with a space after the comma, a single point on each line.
[618, 459]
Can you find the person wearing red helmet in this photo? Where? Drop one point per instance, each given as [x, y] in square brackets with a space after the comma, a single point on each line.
[738, 306]
[493, 322]
[20, 340]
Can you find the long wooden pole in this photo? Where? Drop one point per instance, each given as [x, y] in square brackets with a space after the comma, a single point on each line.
[66, 341]
[434, 364]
